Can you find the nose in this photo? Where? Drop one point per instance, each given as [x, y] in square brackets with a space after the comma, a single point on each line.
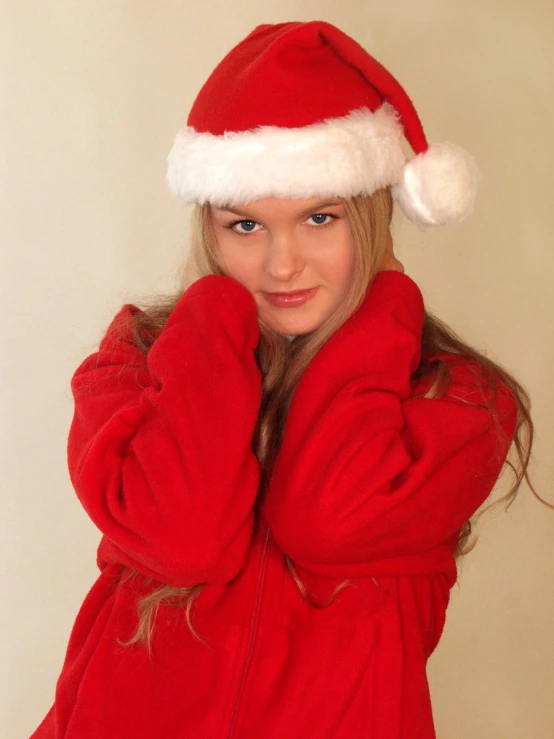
[284, 259]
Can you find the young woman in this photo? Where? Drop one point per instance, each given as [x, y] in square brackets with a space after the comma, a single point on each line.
[284, 458]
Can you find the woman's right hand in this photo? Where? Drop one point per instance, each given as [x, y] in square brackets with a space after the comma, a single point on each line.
[389, 260]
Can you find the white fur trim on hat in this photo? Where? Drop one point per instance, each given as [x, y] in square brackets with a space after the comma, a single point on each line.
[438, 186]
[360, 152]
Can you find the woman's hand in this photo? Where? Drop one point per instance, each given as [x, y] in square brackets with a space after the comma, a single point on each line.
[389, 261]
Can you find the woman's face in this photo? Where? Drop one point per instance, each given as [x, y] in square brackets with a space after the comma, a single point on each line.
[279, 245]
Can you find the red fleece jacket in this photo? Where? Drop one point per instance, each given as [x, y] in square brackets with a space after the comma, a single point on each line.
[369, 490]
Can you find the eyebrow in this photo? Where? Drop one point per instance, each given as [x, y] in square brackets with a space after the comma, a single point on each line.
[313, 209]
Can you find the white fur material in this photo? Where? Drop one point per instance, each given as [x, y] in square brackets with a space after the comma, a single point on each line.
[360, 152]
[438, 186]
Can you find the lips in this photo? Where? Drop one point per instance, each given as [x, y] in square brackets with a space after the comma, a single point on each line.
[290, 299]
[293, 292]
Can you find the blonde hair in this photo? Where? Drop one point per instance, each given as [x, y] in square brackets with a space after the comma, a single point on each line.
[282, 362]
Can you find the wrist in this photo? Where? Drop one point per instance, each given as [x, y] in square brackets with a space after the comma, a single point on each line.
[380, 344]
[217, 302]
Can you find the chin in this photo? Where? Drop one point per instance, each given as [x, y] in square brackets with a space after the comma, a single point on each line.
[303, 319]
[293, 321]
[293, 328]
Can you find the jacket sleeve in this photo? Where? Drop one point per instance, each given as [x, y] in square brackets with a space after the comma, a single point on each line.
[159, 449]
[367, 470]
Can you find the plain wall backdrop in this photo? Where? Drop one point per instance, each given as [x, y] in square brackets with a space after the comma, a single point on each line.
[91, 94]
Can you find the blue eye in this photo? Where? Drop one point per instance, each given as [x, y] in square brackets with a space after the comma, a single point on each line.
[319, 218]
[247, 226]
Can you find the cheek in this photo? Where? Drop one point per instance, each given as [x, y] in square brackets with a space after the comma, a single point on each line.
[238, 263]
[337, 260]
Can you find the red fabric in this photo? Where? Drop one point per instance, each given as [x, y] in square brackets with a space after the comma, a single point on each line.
[371, 486]
[136, 445]
[262, 79]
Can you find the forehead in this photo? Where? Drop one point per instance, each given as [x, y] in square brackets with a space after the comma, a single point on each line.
[279, 206]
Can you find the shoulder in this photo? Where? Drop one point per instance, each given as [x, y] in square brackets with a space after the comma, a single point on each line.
[131, 326]
[121, 326]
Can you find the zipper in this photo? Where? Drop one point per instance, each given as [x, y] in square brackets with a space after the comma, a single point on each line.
[252, 633]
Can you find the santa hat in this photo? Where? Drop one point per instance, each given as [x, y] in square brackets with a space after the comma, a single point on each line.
[301, 110]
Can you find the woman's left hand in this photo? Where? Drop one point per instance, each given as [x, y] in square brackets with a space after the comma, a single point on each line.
[190, 273]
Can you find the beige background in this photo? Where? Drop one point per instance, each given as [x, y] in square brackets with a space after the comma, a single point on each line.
[92, 93]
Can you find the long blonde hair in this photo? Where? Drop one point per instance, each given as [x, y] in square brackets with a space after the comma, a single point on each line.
[282, 362]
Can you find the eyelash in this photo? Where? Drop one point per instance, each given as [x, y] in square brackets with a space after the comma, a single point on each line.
[248, 220]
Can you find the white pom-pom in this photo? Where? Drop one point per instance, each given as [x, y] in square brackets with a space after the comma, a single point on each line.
[438, 186]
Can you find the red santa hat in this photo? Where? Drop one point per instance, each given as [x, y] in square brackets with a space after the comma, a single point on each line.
[301, 110]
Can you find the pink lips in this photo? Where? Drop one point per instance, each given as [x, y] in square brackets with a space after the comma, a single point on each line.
[290, 300]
